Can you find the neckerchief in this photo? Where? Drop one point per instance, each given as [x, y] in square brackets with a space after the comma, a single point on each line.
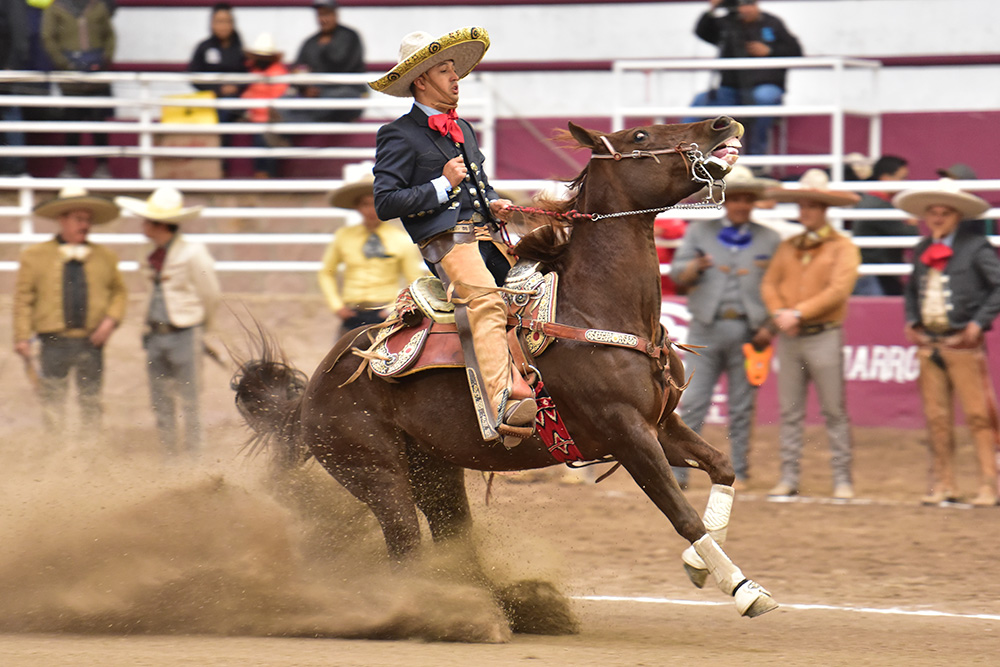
[157, 257]
[811, 240]
[936, 255]
[447, 125]
[374, 248]
[735, 237]
[74, 252]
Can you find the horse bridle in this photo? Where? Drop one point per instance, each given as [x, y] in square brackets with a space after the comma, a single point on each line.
[696, 163]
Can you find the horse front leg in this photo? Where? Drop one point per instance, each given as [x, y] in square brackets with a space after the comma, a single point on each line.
[682, 446]
[643, 457]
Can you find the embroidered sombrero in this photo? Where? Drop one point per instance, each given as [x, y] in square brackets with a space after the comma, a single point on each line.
[70, 198]
[419, 52]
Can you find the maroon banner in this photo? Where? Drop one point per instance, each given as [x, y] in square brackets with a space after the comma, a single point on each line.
[880, 367]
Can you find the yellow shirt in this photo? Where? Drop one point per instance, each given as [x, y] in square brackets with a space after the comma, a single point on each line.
[366, 281]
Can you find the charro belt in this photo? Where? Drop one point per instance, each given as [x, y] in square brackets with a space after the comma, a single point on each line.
[813, 329]
[161, 328]
[732, 314]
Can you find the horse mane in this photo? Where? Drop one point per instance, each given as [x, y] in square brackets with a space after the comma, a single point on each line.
[549, 236]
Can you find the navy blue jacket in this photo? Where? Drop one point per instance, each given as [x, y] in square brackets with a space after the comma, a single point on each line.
[408, 156]
[973, 282]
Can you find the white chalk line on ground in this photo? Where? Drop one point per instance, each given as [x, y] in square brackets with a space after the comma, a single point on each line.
[891, 611]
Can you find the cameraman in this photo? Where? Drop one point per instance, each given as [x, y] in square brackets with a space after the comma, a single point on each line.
[744, 31]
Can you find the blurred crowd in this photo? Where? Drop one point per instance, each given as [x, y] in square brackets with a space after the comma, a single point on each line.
[79, 36]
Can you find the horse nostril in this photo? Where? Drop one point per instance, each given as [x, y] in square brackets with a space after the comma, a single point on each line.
[722, 122]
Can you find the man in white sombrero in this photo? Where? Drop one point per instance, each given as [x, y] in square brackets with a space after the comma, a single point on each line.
[70, 294]
[721, 263]
[952, 297]
[429, 173]
[183, 296]
[375, 256]
[806, 289]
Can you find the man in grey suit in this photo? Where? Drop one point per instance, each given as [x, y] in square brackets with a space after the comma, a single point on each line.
[721, 263]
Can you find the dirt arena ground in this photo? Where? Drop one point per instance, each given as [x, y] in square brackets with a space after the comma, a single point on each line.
[111, 556]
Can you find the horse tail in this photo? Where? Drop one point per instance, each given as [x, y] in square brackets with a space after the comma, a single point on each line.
[269, 393]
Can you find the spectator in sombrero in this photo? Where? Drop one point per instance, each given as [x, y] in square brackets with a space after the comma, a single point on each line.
[952, 297]
[376, 257]
[720, 263]
[806, 289]
[70, 294]
[184, 293]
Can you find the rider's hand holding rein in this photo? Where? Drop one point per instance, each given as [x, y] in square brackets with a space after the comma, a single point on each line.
[455, 170]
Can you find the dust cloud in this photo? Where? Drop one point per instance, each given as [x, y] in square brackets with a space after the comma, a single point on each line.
[94, 541]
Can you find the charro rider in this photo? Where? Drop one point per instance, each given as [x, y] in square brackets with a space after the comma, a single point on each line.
[429, 173]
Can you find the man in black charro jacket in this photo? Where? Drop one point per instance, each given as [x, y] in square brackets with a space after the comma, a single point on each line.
[429, 173]
[951, 298]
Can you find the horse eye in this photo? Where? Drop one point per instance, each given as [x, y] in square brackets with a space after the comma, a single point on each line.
[640, 137]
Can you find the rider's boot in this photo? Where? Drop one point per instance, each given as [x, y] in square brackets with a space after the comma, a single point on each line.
[504, 403]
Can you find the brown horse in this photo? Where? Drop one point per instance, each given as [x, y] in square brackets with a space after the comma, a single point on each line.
[403, 447]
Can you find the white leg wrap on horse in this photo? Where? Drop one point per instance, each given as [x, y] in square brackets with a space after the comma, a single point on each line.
[716, 519]
[720, 506]
[751, 599]
[726, 574]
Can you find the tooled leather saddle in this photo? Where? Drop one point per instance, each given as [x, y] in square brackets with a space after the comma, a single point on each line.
[421, 334]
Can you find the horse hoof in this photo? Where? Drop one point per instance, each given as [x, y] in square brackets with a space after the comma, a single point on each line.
[695, 567]
[698, 577]
[537, 608]
[752, 599]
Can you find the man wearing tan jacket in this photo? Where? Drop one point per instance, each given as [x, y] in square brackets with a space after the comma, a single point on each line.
[806, 289]
[70, 294]
[184, 295]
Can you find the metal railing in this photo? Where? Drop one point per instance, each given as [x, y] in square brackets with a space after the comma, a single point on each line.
[154, 89]
[151, 92]
[837, 109]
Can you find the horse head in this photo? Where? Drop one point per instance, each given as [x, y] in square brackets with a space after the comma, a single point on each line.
[656, 165]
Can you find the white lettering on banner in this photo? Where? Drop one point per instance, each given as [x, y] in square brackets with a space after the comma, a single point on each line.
[881, 363]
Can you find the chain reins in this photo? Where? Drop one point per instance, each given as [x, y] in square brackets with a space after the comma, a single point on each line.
[693, 158]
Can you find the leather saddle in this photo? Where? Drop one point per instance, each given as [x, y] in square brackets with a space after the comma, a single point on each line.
[421, 335]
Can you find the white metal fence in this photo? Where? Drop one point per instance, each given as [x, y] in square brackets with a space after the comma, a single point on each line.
[141, 96]
[844, 100]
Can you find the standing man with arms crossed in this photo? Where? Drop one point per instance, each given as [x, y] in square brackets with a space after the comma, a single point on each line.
[721, 262]
[182, 300]
[70, 293]
[429, 173]
[806, 289]
[375, 255]
[952, 297]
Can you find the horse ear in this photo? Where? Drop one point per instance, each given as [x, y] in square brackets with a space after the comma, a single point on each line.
[583, 136]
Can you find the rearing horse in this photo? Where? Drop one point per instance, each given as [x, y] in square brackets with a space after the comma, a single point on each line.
[400, 447]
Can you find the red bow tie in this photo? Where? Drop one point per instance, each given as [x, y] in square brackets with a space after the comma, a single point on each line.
[936, 256]
[446, 124]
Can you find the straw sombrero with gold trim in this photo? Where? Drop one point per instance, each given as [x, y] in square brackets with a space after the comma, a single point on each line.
[71, 198]
[419, 52]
